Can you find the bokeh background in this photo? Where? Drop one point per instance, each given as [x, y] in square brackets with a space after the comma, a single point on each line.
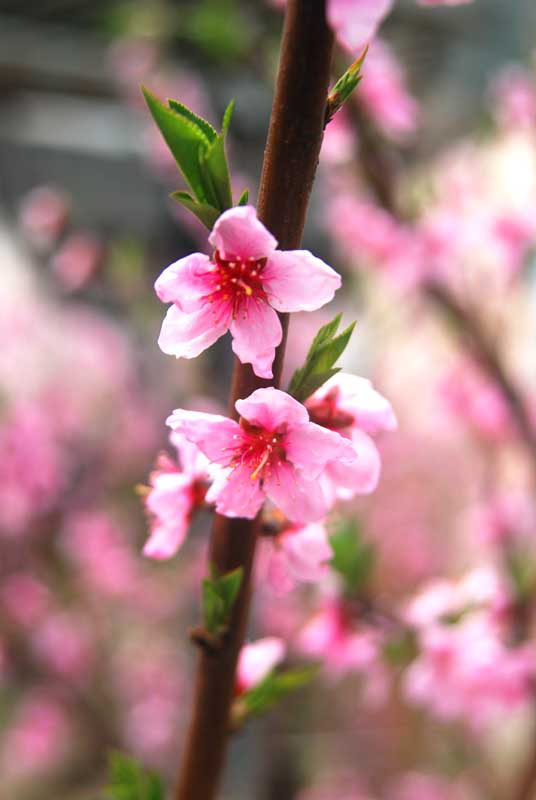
[94, 653]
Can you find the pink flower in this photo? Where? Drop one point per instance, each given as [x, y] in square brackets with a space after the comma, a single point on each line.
[384, 93]
[298, 553]
[274, 452]
[39, 735]
[345, 645]
[355, 22]
[44, 214]
[77, 260]
[471, 397]
[464, 649]
[351, 406]
[257, 660]
[515, 98]
[175, 494]
[240, 288]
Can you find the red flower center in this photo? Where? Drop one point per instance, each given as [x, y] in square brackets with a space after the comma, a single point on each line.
[259, 451]
[325, 412]
[236, 280]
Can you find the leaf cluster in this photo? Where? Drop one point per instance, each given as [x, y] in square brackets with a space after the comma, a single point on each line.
[129, 780]
[273, 688]
[323, 353]
[344, 87]
[353, 557]
[219, 596]
[199, 151]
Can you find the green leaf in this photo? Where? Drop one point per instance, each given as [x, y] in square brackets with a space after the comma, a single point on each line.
[227, 116]
[244, 197]
[353, 558]
[323, 353]
[186, 140]
[345, 86]
[129, 780]
[275, 686]
[215, 171]
[205, 127]
[200, 155]
[219, 596]
[203, 211]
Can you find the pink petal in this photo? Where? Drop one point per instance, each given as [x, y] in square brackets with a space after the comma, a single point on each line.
[360, 476]
[185, 282]
[300, 500]
[192, 460]
[165, 540]
[235, 494]
[355, 21]
[215, 435]
[170, 495]
[296, 280]
[258, 659]
[256, 332]
[272, 410]
[239, 233]
[309, 448]
[307, 551]
[187, 335]
[371, 410]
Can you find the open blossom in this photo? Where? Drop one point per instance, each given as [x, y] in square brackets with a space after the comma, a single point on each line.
[465, 650]
[275, 452]
[240, 288]
[345, 645]
[257, 660]
[176, 491]
[351, 406]
[295, 554]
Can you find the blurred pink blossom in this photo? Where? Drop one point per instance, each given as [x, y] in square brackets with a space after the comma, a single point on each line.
[257, 660]
[298, 553]
[37, 737]
[175, 493]
[384, 94]
[514, 97]
[77, 260]
[44, 214]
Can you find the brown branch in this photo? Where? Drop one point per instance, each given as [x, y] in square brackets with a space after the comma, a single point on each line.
[290, 162]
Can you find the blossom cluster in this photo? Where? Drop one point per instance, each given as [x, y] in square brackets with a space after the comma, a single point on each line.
[300, 457]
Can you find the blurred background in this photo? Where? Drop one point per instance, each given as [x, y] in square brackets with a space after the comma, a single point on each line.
[430, 175]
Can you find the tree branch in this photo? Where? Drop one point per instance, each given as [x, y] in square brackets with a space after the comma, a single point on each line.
[290, 162]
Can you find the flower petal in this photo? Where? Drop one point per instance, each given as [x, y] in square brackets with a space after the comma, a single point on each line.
[355, 21]
[272, 409]
[308, 551]
[185, 282]
[371, 411]
[296, 280]
[187, 335]
[299, 499]
[238, 232]
[257, 660]
[215, 435]
[256, 332]
[360, 476]
[309, 447]
[235, 494]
